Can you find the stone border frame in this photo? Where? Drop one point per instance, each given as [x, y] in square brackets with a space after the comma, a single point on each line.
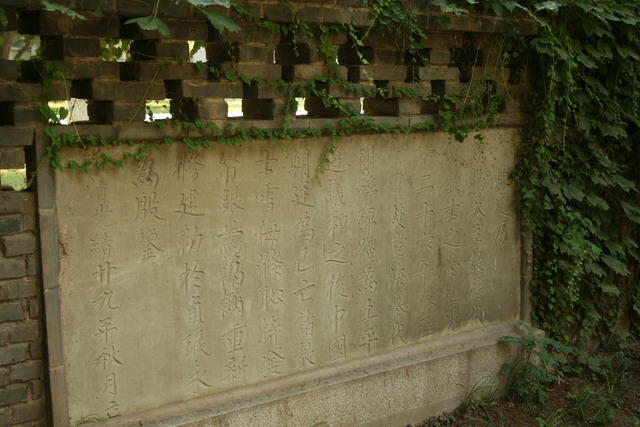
[223, 402]
[46, 209]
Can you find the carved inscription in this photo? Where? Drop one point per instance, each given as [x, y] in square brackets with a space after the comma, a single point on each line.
[226, 267]
[108, 358]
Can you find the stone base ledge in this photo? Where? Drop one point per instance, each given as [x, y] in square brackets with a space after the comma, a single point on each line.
[396, 388]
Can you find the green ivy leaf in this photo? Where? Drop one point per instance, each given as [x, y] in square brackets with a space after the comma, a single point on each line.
[3, 18]
[220, 22]
[63, 113]
[616, 265]
[550, 5]
[200, 3]
[150, 23]
[55, 7]
[631, 211]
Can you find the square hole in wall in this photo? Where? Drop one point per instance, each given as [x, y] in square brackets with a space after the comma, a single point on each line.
[234, 107]
[115, 50]
[57, 112]
[66, 112]
[16, 46]
[197, 51]
[157, 110]
[6, 113]
[300, 111]
[13, 179]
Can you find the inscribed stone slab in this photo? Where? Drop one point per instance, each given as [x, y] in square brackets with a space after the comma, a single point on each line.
[197, 271]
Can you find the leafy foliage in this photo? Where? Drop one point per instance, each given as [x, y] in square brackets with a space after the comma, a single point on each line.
[219, 22]
[55, 7]
[541, 362]
[577, 172]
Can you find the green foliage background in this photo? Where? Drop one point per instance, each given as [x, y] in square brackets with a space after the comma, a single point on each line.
[578, 172]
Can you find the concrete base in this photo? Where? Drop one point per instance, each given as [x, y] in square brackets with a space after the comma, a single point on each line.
[403, 386]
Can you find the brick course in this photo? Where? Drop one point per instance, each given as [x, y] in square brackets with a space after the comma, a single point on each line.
[22, 371]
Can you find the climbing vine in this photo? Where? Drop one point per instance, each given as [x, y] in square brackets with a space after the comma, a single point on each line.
[578, 171]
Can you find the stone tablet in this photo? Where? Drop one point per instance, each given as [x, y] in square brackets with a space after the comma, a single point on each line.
[199, 271]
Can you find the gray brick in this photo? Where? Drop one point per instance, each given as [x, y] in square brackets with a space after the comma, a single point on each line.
[18, 288]
[256, 71]
[26, 371]
[18, 244]
[5, 377]
[13, 353]
[28, 223]
[34, 308]
[211, 90]
[337, 14]
[37, 389]
[9, 69]
[12, 202]
[311, 14]
[108, 90]
[29, 331]
[278, 12]
[16, 136]
[32, 265]
[9, 224]
[20, 91]
[5, 335]
[440, 56]
[12, 158]
[25, 114]
[12, 268]
[35, 350]
[5, 416]
[13, 394]
[11, 311]
[31, 411]
[360, 18]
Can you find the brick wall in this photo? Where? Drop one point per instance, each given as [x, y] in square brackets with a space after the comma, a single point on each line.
[114, 93]
[22, 395]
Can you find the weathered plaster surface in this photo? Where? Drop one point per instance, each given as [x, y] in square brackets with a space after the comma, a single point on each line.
[200, 271]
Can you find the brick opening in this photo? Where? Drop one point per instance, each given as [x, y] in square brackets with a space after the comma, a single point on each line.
[115, 50]
[22, 46]
[6, 113]
[350, 55]
[259, 109]
[300, 110]
[13, 179]
[382, 104]
[157, 110]
[438, 91]
[197, 51]
[414, 60]
[74, 110]
[234, 107]
[292, 54]
[466, 58]
[316, 107]
[13, 172]
[490, 97]
[58, 112]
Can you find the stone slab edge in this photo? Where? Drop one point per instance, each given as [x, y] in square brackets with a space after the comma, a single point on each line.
[48, 227]
[225, 402]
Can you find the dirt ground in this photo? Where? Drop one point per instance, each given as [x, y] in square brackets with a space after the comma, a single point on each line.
[610, 399]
